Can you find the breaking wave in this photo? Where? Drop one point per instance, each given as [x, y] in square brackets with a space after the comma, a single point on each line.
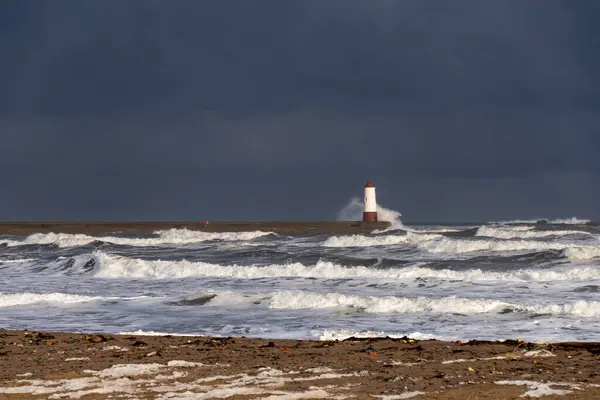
[20, 299]
[564, 221]
[582, 253]
[104, 265]
[17, 260]
[437, 243]
[291, 300]
[522, 232]
[167, 237]
[461, 246]
[302, 300]
[403, 305]
[364, 241]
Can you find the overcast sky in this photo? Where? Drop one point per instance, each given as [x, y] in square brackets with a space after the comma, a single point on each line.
[281, 110]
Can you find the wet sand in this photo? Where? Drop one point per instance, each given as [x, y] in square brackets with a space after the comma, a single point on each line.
[142, 228]
[99, 366]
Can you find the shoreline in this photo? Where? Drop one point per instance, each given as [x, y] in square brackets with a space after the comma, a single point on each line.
[96, 365]
[279, 227]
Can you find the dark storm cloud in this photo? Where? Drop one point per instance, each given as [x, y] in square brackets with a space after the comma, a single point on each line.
[458, 110]
[235, 56]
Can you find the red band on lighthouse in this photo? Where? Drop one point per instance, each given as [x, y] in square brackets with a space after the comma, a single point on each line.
[370, 212]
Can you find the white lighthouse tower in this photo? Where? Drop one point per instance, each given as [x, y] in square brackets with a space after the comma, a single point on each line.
[370, 212]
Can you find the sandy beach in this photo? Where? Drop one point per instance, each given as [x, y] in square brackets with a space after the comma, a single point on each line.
[37, 364]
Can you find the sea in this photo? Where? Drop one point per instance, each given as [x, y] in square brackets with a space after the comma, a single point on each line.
[535, 280]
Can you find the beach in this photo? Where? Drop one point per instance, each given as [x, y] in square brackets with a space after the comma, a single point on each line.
[36, 364]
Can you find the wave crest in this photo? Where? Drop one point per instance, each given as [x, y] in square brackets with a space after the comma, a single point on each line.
[116, 267]
[303, 300]
[166, 237]
[559, 221]
[364, 241]
[462, 246]
[20, 299]
[520, 233]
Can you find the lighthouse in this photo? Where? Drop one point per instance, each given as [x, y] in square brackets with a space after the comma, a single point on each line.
[370, 212]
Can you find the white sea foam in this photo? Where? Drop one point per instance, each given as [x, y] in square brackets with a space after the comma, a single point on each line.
[463, 246]
[579, 308]
[188, 236]
[344, 334]
[114, 348]
[184, 364]
[17, 261]
[292, 300]
[116, 267]
[167, 237]
[122, 267]
[505, 240]
[539, 389]
[300, 300]
[127, 370]
[569, 221]
[305, 300]
[566, 221]
[436, 229]
[539, 353]
[512, 233]
[121, 378]
[20, 299]
[402, 396]
[364, 241]
[582, 252]
[411, 237]
[459, 246]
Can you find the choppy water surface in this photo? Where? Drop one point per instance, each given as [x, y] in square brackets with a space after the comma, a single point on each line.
[499, 280]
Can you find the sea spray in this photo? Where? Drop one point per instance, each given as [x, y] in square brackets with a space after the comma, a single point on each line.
[353, 210]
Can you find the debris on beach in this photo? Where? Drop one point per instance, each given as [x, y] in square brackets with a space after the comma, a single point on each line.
[96, 338]
[291, 368]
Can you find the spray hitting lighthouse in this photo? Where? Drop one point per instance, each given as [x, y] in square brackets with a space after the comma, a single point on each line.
[370, 212]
